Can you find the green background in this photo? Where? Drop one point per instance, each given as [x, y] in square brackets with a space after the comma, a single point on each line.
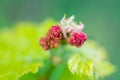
[101, 19]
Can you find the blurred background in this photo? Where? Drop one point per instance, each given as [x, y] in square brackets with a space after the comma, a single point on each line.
[101, 18]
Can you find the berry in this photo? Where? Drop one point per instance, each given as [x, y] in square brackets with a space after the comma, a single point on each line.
[52, 38]
[77, 39]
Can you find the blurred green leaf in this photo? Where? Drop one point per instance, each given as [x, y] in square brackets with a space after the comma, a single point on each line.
[20, 52]
[67, 75]
[81, 66]
[90, 61]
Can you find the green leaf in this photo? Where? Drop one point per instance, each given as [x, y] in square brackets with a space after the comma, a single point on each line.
[80, 65]
[67, 75]
[20, 52]
[90, 61]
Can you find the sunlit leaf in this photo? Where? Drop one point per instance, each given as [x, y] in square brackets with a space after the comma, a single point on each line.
[20, 52]
[90, 60]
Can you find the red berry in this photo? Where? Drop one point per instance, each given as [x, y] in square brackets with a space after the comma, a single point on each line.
[77, 39]
[52, 38]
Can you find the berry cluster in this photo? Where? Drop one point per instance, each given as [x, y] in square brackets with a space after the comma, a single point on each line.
[52, 38]
[77, 39]
[58, 32]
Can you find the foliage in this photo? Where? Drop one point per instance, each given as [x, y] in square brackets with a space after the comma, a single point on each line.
[20, 52]
[22, 58]
[90, 62]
